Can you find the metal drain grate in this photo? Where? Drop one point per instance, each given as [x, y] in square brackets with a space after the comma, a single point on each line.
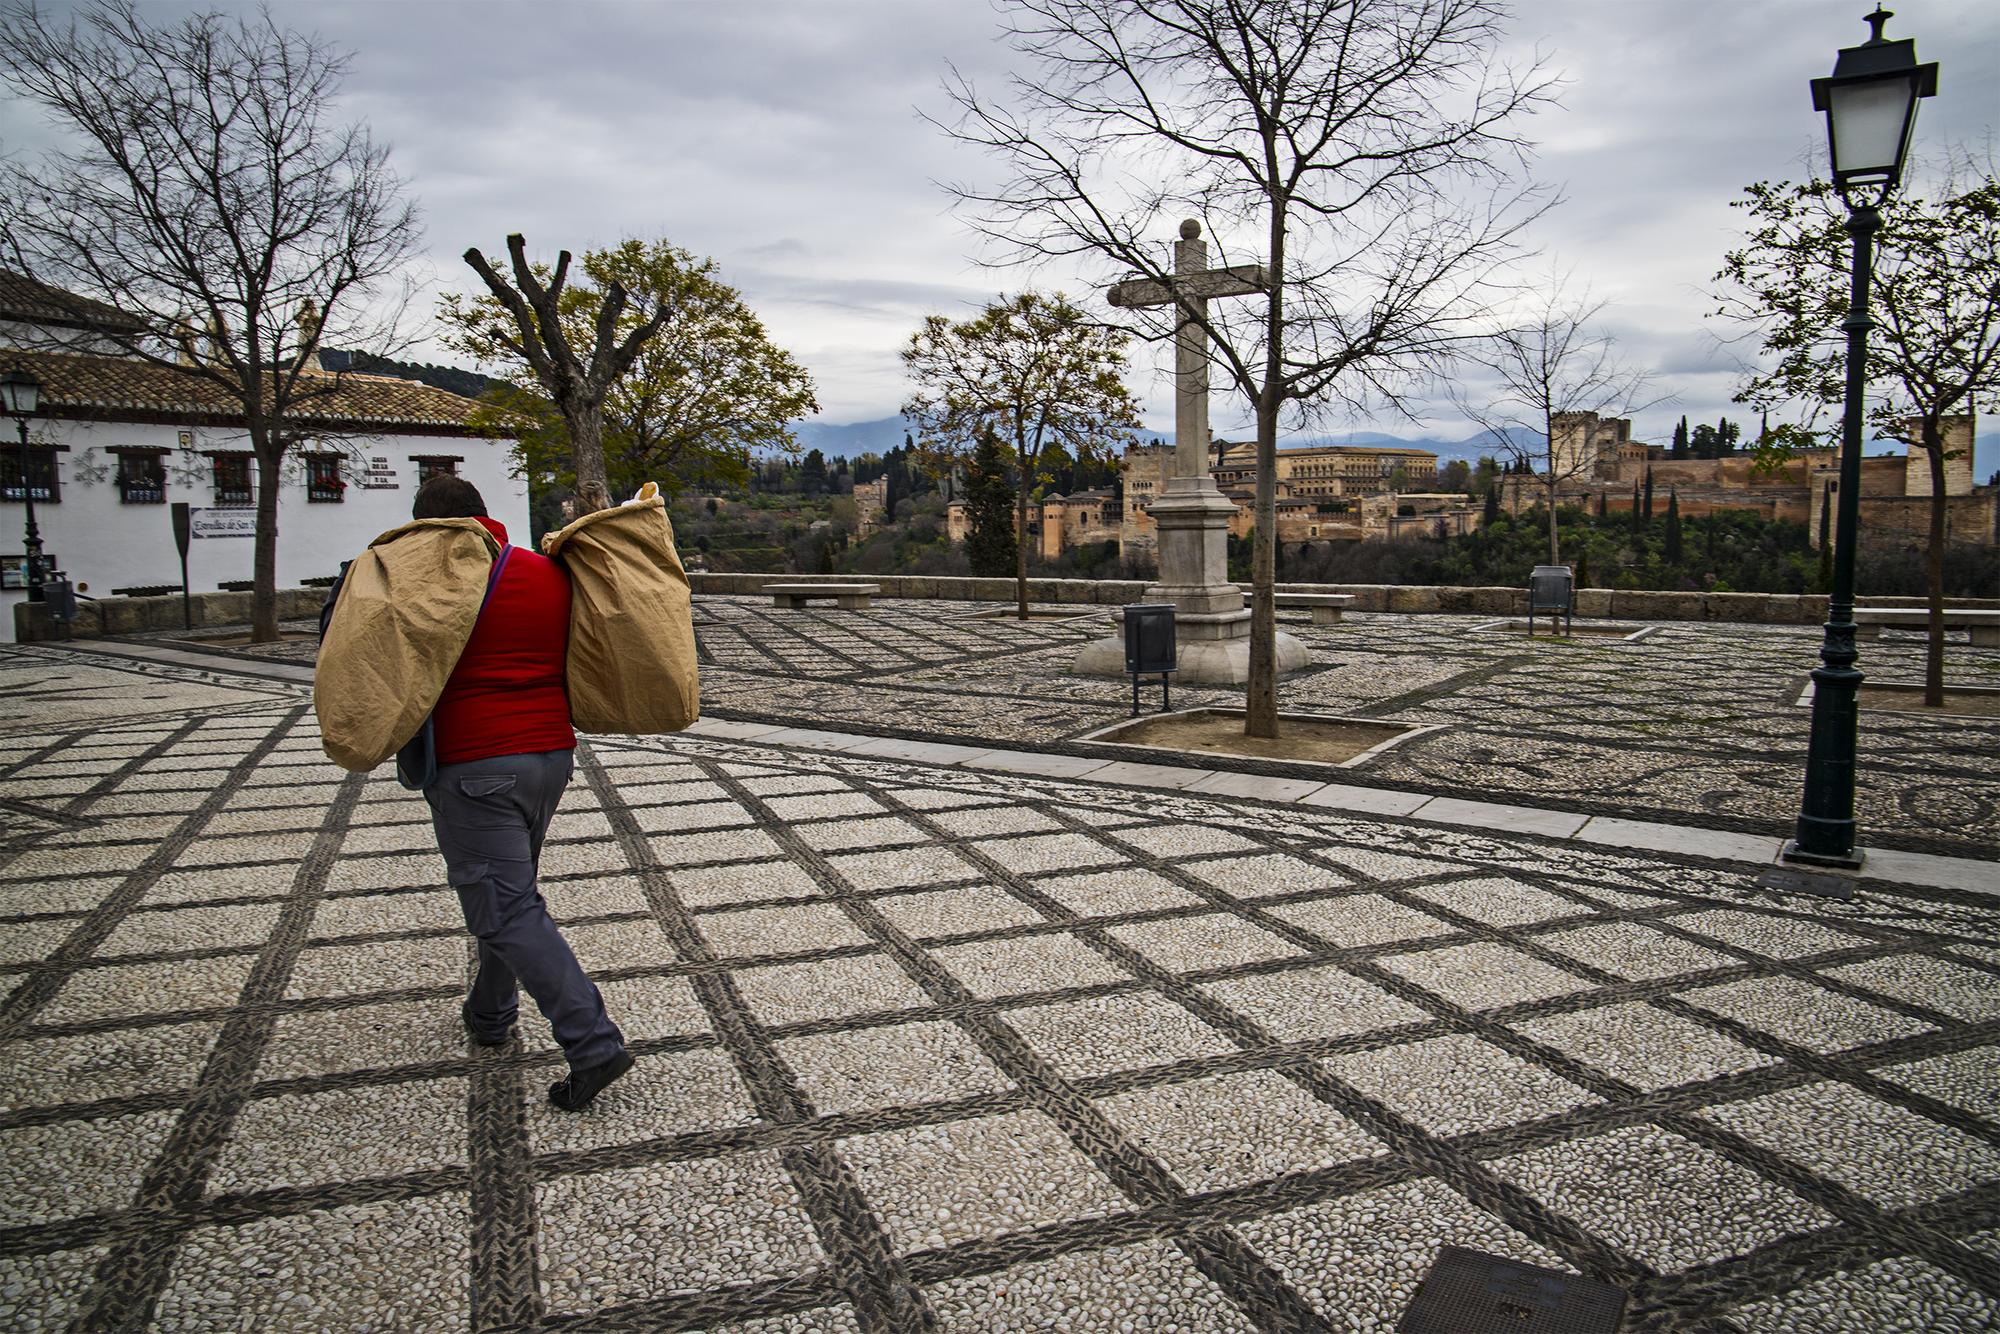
[1470, 1293]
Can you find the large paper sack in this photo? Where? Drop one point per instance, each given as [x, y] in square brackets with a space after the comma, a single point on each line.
[631, 621]
[404, 614]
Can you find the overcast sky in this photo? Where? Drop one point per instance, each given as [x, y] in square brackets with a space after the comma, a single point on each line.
[783, 138]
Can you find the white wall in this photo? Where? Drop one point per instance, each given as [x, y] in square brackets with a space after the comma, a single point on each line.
[100, 541]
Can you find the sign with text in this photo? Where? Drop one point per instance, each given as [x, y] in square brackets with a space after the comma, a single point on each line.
[376, 474]
[222, 522]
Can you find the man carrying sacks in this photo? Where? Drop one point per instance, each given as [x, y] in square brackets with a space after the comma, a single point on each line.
[446, 597]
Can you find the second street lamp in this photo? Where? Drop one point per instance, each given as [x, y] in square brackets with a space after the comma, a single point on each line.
[20, 397]
[1870, 101]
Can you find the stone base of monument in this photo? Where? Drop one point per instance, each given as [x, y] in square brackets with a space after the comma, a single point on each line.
[1213, 651]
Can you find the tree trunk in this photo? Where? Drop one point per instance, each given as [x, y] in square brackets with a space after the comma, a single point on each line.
[1933, 442]
[1554, 549]
[586, 439]
[1260, 695]
[1021, 543]
[264, 560]
[1260, 712]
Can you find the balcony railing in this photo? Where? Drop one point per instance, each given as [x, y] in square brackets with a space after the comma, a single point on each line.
[142, 492]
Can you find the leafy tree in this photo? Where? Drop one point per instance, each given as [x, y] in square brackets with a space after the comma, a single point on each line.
[681, 385]
[1551, 361]
[989, 503]
[1456, 476]
[1935, 300]
[1364, 146]
[1036, 374]
[169, 131]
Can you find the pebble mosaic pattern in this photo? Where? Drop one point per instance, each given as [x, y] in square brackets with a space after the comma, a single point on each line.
[1695, 720]
[1046, 1054]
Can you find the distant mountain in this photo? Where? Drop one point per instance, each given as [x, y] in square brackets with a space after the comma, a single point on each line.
[851, 439]
[466, 384]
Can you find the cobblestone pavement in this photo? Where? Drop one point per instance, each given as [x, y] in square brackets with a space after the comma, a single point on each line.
[931, 1048]
[1697, 722]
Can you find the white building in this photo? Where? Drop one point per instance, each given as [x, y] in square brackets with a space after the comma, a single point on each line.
[117, 440]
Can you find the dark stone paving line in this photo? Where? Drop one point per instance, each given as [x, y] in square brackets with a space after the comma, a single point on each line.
[130, 1280]
[1844, 1204]
[27, 999]
[1513, 1205]
[1244, 1276]
[853, 1238]
[110, 782]
[506, 1262]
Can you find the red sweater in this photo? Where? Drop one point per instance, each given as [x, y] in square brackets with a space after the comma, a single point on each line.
[506, 695]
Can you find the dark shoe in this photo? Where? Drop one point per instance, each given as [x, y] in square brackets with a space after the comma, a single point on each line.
[482, 1038]
[575, 1093]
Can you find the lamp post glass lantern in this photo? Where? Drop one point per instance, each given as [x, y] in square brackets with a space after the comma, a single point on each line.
[1870, 101]
[20, 398]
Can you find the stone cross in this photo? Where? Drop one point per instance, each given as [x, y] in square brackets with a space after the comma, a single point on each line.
[1195, 284]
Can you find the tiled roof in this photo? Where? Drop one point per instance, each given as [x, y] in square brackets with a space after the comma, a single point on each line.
[110, 387]
[24, 299]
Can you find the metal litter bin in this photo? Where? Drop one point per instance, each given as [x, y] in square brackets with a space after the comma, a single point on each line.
[1150, 648]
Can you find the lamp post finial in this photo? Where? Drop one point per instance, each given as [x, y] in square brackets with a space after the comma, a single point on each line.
[1875, 22]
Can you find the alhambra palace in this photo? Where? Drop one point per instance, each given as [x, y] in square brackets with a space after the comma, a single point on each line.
[1355, 493]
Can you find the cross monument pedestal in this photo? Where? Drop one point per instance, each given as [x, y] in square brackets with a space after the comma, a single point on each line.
[1211, 624]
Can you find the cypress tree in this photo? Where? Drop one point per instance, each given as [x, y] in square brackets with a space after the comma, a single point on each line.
[1680, 448]
[1492, 510]
[1649, 497]
[1635, 515]
[989, 501]
[1670, 544]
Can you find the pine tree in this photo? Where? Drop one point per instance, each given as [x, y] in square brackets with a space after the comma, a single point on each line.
[1670, 544]
[989, 509]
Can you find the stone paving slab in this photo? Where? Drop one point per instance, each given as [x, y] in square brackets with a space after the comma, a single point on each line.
[1043, 1052]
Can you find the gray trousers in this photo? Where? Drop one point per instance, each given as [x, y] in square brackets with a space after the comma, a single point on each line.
[490, 816]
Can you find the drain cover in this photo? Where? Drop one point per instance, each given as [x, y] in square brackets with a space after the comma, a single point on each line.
[1470, 1293]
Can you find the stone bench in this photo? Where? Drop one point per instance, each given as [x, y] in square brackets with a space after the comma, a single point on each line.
[849, 597]
[1984, 625]
[1325, 607]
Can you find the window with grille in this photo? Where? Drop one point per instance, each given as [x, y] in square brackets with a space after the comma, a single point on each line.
[232, 479]
[142, 477]
[324, 485]
[41, 475]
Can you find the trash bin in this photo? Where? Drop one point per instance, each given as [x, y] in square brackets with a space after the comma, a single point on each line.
[1150, 647]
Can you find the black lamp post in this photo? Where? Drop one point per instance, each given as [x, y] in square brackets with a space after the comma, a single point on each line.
[1870, 102]
[20, 396]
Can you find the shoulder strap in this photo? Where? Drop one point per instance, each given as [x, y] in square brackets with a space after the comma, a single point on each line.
[493, 576]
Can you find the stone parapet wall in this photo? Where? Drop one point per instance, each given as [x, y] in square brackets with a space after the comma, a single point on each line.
[100, 617]
[1620, 604]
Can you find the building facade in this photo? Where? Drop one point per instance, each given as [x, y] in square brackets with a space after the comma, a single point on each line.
[118, 440]
[1319, 494]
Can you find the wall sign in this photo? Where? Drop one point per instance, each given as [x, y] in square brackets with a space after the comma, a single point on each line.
[376, 474]
[222, 522]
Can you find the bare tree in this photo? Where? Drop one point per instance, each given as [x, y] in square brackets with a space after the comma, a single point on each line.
[207, 187]
[1358, 145]
[1552, 363]
[577, 385]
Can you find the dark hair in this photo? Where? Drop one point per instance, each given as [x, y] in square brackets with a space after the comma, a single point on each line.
[448, 497]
